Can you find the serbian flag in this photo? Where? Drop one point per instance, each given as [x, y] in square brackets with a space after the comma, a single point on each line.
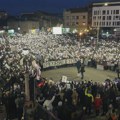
[41, 84]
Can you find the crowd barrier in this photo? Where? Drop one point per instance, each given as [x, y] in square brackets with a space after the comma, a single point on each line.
[73, 61]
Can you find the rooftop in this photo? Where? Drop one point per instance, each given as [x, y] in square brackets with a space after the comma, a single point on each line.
[75, 10]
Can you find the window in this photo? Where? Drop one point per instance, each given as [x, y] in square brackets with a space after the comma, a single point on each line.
[83, 23]
[103, 23]
[67, 23]
[76, 23]
[113, 23]
[114, 18]
[73, 23]
[111, 12]
[118, 23]
[94, 23]
[67, 17]
[117, 17]
[107, 24]
[103, 18]
[99, 17]
[94, 18]
[114, 12]
[84, 17]
[117, 11]
[98, 12]
[95, 12]
[77, 17]
[73, 17]
[108, 17]
[107, 11]
[104, 12]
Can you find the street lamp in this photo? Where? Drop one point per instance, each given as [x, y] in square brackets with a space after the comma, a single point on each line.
[27, 93]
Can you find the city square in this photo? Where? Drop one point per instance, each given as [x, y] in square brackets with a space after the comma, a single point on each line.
[60, 61]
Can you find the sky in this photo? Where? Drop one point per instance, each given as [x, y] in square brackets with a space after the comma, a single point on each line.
[15, 7]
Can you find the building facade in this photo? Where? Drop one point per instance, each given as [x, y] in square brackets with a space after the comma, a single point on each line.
[23, 26]
[3, 19]
[106, 15]
[76, 19]
[46, 20]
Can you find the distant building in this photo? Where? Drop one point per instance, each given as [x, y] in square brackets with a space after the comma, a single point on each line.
[106, 16]
[3, 19]
[76, 18]
[23, 26]
[3, 15]
[45, 19]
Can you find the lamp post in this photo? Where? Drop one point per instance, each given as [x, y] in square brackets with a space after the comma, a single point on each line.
[99, 21]
[27, 92]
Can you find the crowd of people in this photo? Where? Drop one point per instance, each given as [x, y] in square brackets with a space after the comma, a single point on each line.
[73, 100]
[66, 98]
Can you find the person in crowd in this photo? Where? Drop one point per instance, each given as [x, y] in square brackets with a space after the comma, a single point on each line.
[82, 70]
[48, 103]
[44, 48]
[78, 65]
[98, 104]
[88, 100]
[19, 104]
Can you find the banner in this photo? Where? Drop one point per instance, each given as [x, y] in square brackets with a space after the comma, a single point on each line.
[58, 63]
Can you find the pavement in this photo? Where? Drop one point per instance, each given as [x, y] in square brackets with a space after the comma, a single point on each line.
[71, 73]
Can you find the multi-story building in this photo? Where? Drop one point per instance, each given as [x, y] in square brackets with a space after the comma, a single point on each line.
[106, 15]
[3, 19]
[45, 19]
[23, 26]
[3, 15]
[76, 18]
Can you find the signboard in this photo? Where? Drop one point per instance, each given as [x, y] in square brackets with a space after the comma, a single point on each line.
[57, 30]
[64, 79]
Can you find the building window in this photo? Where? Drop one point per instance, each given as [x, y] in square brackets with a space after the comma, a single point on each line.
[110, 23]
[114, 12]
[77, 17]
[113, 23]
[73, 17]
[76, 23]
[107, 24]
[83, 23]
[99, 17]
[117, 17]
[98, 12]
[94, 17]
[94, 24]
[117, 11]
[103, 23]
[73, 23]
[83, 17]
[114, 18]
[67, 23]
[107, 12]
[118, 23]
[111, 12]
[104, 12]
[67, 17]
[108, 17]
[103, 18]
[95, 12]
